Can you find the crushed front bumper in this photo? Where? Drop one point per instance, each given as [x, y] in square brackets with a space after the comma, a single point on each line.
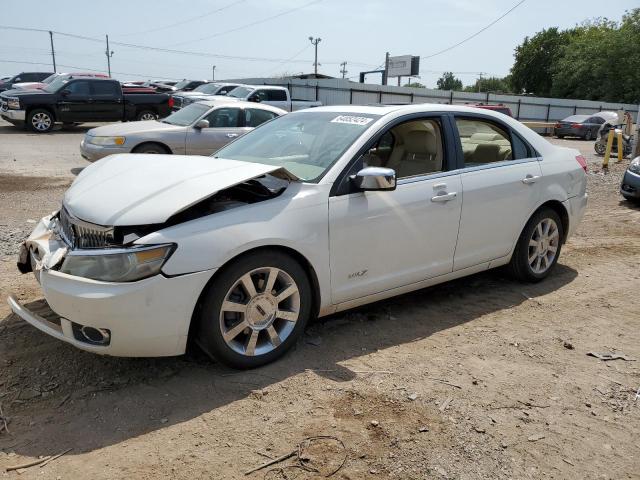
[147, 318]
[13, 115]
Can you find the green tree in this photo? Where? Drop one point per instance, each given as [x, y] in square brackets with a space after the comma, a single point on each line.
[491, 84]
[535, 59]
[602, 61]
[448, 81]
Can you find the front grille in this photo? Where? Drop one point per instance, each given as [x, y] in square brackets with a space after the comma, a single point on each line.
[4, 105]
[79, 234]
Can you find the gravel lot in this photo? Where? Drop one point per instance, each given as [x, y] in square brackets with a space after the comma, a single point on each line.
[480, 378]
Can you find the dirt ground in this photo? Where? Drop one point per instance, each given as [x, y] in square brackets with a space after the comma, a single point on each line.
[480, 378]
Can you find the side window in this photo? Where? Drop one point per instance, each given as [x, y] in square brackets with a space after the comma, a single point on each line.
[483, 142]
[521, 149]
[255, 117]
[411, 148]
[277, 95]
[225, 90]
[105, 89]
[598, 120]
[79, 87]
[259, 96]
[224, 118]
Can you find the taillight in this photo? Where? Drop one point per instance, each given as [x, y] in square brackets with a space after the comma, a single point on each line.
[576, 125]
[170, 102]
[582, 161]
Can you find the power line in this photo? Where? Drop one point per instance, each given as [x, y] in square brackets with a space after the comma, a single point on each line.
[257, 22]
[306, 47]
[477, 33]
[182, 22]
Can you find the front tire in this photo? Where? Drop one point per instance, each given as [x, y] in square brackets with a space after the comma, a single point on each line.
[538, 247]
[254, 310]
[599, 148]
[40, 120]
[588, 136]
[152, 148]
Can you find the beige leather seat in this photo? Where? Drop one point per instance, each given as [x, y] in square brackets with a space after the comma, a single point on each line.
[417, 156]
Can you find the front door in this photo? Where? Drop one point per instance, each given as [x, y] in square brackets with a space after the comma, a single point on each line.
[388, 239]
[501, 188]
[225, 125]
[75, 103]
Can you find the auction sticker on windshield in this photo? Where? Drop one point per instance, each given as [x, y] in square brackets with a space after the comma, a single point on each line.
[352, 120]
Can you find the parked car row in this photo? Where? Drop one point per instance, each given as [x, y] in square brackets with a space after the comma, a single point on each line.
[583, 126]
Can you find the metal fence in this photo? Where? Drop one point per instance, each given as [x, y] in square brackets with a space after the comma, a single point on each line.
[523, 107]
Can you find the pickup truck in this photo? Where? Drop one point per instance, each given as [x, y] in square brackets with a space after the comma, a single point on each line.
[203, 92]
[70, 100]
[269, 95]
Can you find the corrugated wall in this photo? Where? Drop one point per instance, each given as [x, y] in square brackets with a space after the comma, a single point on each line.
[524, 107]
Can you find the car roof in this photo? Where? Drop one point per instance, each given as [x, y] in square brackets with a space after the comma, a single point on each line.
[408, 108]
[576, 118]
[222, 102]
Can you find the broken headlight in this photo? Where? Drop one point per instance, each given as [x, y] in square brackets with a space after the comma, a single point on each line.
[118, 265]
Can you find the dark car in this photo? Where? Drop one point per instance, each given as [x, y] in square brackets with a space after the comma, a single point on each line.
[630, 186]
[188, 85]
[23, 77]
[496, 108]
[70, 100]
[582, 126]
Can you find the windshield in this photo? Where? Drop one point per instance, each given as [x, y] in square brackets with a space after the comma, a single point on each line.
[207, 88]
[187, 115]
[240, 92]
[57, 84]
[51, 78]
[307, 143]
[181, 84]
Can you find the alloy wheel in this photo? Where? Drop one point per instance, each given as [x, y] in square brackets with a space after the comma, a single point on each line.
[41, 122]
[543, 245]
[260, 311]
[147, 116]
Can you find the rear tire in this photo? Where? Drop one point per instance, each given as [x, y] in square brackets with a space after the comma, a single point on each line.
[40, 120]
[249, 327]
[146, 115]
[538, 247]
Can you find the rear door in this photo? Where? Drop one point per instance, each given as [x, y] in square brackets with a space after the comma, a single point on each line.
[225, 125]
[75, 103]
[107, 101]
[501, 189]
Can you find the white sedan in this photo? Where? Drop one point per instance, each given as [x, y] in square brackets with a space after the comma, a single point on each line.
[310, 214]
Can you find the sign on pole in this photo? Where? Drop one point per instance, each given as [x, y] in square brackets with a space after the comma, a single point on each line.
[404, 66]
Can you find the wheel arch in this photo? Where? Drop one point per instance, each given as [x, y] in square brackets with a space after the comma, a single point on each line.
[562, 212]
[296, 255]
[166, 147]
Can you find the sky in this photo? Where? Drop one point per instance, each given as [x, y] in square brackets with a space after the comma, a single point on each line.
[258, 38]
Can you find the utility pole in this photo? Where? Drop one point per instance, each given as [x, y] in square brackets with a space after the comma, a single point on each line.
[213, 74]
[109, 54]
[344, 69]
[53, 52]
[479, 80]
[386, 69]
[315, 42]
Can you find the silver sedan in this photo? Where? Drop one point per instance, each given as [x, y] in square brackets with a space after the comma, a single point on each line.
[198, 129]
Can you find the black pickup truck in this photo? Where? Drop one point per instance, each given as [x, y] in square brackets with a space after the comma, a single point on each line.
[70, 101]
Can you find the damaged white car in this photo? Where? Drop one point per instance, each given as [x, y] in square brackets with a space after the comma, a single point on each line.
[312, 213]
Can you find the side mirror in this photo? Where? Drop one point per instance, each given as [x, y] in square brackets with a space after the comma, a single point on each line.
[65, 93]
[375, 178]
[254, 98]
[17, 80]
[200, 124]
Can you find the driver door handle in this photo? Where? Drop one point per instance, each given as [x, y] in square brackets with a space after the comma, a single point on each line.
[445, 197]
[529, 179]
[232, 135]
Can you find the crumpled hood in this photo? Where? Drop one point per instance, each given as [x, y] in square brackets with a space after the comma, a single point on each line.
[130, 128]
[140, 189]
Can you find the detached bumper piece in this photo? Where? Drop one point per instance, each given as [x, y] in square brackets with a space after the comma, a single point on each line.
[47, 321]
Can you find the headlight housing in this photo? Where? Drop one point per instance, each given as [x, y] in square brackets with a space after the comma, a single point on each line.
[117, 265]
[186, 101]
[634, 166]
[106, 141]
[13, 103]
